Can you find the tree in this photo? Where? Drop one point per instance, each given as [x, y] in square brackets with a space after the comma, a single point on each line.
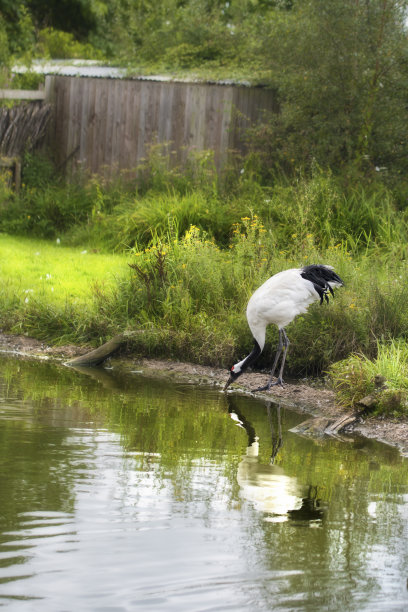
[341, 72]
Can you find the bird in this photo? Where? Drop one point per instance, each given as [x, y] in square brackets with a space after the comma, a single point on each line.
[278, 301]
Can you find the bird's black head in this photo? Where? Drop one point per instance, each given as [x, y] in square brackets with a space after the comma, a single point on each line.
[234, 373]
[240, 367]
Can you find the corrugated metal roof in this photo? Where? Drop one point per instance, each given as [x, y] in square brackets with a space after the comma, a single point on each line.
[93, 69]
[88, 68]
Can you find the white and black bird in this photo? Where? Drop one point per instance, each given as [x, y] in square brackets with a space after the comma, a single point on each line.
[279, 300]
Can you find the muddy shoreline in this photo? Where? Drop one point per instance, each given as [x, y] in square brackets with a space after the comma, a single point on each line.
[309, 397]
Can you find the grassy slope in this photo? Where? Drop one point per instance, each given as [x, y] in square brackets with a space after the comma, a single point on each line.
[196, 311]
[40, 269]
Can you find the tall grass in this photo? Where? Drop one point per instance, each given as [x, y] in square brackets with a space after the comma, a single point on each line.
[162, 195]
[188, 287]
[316, 207]
[188, 296]
[198, 246]
[136, 220]
[355, 377]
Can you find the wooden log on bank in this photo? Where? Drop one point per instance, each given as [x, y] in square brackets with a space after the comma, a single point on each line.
[102, 353]
[321, 426]
[99, 355]
[341, 423]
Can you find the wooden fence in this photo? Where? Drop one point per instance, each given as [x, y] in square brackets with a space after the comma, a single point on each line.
[106, 125]
[22, 128]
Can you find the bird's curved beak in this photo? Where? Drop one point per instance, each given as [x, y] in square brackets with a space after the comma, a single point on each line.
[227, 384]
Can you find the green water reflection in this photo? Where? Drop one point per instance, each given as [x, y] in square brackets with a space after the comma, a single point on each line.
[110, 480]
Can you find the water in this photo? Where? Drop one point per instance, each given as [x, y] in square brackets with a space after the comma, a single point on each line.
[122, 493]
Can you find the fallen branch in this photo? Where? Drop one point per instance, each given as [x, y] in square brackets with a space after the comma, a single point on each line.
[102, 353]
[320, 426]
[99, 355]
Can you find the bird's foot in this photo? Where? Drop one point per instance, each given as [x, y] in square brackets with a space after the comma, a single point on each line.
[278, 381]
[265, 388]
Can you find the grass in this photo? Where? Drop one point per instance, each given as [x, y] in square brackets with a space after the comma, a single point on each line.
[48, 290]
[38, 269]
[356, 377]
[189, 295]
[198, 247]
[165, 198]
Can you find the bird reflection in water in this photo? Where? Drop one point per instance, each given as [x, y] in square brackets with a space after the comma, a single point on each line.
[279, 496]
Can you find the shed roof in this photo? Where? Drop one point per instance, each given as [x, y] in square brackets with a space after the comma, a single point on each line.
[94, 69]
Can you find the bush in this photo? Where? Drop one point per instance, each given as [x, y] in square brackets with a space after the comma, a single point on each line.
[61, 45]
[300, 216]
[219, 243]
[355, 377]
[46, 206]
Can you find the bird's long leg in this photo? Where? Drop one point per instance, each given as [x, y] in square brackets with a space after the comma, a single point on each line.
[285, 350]
[275, 363]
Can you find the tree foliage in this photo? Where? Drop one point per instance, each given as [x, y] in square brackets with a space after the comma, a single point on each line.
[339, 69]
[341, 72]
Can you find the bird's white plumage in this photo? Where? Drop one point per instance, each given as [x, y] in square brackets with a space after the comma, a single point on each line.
[267, 486]
[279, 300]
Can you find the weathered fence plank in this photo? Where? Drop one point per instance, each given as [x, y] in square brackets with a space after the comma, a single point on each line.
[107, 125]
[102, 127]
[92, 125]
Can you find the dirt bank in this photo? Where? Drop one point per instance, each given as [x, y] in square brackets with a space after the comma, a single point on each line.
[304, 396]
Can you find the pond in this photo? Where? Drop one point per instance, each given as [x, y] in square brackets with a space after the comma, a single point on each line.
[120, 492]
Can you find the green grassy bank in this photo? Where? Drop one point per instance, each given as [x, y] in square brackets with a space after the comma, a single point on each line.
[45, 287]
[197, 249]
[189, 297]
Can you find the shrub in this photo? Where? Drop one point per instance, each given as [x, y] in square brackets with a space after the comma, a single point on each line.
[60, 45]
[355, 377]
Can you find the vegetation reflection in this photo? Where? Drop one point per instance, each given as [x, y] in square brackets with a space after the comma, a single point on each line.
[213, 456]
[184, 425]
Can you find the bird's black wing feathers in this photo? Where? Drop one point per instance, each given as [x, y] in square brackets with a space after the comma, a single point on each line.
[321, 276]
